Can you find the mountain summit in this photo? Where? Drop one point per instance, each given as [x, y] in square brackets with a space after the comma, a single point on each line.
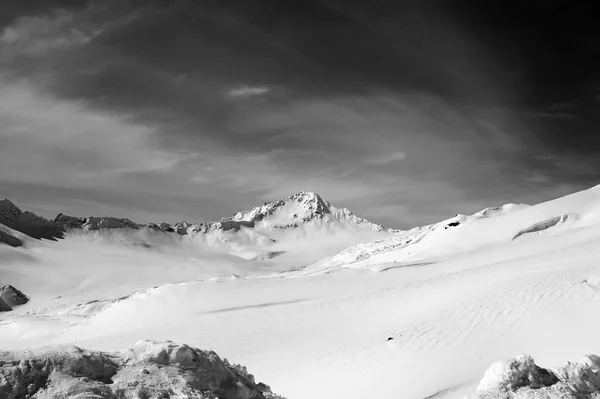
[299, 208]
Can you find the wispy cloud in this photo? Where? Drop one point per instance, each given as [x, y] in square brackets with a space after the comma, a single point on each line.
[66, 141]
[42, 35]
[93, 111]
[384, 159]
[247, 91]
[561, 115]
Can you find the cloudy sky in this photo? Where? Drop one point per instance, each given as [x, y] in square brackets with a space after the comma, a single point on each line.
[403, 112]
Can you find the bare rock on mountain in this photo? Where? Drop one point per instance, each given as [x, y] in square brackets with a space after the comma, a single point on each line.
[148, 370]
[4, 307]
[545, 225]
[71, 222]
[28, 222]
[95, 223]
[9, 239]
[12, 296]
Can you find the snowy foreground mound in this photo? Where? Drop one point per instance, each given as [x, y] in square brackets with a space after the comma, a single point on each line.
[520, 378]
[148, 370]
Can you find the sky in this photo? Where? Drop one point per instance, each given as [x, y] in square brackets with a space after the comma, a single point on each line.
[405, 112]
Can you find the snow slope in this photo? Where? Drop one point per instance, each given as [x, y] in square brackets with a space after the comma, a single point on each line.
[490, 227]
[468, 296]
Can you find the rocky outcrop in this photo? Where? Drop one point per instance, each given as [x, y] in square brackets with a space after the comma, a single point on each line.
[95, 223]
[229, 224]
[12, 296]
[4, 307]
[546, 224]
[148, 370]
[521, 378]
[28, 222]
[70, 222]
[9, 239]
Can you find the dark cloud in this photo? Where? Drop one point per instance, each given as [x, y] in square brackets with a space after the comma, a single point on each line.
[435, 108]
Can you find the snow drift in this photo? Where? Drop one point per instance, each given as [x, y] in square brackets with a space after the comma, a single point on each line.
[148, 370]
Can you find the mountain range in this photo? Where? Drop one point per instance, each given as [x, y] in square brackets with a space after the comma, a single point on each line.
[249, 234]
[301, 230]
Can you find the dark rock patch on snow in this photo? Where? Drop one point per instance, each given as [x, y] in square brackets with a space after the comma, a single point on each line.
[541, 226]
[4, 307]
[267, 255]
[12, 296]
[9, 239]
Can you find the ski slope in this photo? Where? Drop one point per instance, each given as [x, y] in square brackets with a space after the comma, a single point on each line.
[500, 283]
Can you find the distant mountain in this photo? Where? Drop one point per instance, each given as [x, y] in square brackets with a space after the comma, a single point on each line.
[248, 234]
[298, 229]
[302, 207]
[289, 213]
[27, 223]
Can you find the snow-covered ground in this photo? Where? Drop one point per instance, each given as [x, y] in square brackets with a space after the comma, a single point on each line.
[454, 297]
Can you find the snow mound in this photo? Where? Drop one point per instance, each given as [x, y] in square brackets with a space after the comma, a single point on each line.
[499, 210]
[28, 222]
[521, 378]
[148, 370]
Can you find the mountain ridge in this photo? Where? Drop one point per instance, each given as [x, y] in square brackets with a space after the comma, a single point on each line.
[291, 212]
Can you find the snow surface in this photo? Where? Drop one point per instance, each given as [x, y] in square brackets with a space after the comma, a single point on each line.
[461, 295]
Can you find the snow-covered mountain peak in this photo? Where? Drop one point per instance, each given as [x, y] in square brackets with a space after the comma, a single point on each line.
[309, 199]
[302, 207]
